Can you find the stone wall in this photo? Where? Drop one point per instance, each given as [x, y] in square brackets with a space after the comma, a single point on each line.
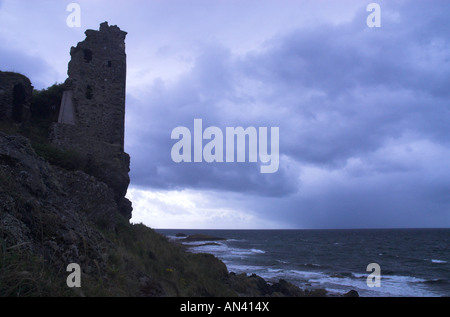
[15, 97]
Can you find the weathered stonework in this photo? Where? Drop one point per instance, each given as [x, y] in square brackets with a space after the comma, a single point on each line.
[15, 97]
[92, 113]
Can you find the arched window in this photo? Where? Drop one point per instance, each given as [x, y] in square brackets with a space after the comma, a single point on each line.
[19, 96]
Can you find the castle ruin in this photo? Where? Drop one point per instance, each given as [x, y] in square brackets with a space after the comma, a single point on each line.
[15, 97]
[92, 114]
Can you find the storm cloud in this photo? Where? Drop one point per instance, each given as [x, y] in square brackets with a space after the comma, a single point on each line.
[363, 116]
[363, 112]
[336, 92]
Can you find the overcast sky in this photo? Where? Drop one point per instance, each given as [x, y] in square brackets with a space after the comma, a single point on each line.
[363, 113]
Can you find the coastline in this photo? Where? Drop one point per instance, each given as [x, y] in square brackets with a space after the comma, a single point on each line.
[250, 284]
[336, 260]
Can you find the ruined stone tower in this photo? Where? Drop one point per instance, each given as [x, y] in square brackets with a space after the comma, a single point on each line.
[92, 114]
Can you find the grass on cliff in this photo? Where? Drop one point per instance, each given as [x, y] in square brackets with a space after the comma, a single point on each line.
[37, 132]
[139, 262]
[25, 275]
[44, 111]
[147, 266]
[165, 266]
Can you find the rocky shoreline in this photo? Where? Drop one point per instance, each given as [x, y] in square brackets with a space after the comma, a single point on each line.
[253, 285]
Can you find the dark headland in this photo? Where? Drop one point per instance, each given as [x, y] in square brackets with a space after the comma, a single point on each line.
[63, 180]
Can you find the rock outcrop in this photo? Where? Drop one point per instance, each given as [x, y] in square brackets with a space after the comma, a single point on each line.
[51, 217]
[47, 210]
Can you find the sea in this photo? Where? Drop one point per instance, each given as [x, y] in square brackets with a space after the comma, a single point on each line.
[408, 262]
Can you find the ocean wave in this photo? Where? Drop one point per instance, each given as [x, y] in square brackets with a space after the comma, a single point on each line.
[438, 281]
[257, 251]
[223, 251]
[394, 285]
[391, 285]
[306, 274]
[270, 270]
[312, 265]
[244, 252]
[342, 275]
[438, 261]
[315, 269]
[402, 279]
[242, 268]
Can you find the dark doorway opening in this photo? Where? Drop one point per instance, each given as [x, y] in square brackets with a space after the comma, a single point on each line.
[19, 97]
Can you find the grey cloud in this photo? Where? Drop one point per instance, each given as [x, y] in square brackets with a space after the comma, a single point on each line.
[336, 92]
[35, 68]
[384, 202]
[199, 94]
[365, 86]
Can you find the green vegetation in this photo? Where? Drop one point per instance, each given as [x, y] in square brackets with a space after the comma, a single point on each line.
[141, 263]
[45, 103]
[67, 159]
[44, 109]
[37, 132]
[179, 273]
[24, 275]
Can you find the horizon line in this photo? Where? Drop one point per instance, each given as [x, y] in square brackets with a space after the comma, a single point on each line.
[292, 229]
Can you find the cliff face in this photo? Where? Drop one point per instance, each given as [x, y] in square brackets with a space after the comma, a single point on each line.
[51, 217]
[50, 212]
